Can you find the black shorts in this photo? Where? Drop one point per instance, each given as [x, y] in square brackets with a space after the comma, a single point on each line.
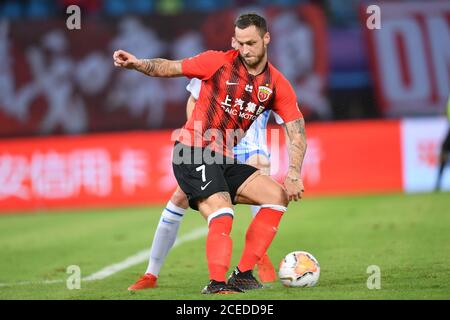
[200, 176]
[446, 144]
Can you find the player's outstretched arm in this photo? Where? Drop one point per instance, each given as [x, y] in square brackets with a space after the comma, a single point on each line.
[296, 149]
[152, 67]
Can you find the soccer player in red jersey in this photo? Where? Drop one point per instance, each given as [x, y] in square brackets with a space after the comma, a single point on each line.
[238, 85]
[252, 149]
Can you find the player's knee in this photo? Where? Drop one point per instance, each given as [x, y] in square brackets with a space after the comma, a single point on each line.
[179, 199]
[214, 202]
[279, 197]
[283, 197]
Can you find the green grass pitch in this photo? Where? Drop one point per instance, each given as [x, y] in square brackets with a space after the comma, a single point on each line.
[406, 236]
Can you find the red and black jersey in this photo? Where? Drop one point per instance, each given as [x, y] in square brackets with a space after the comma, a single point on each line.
[231, 99]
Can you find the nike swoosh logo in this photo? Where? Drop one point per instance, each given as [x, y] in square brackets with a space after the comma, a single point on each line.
[204, 187]
[231, 83]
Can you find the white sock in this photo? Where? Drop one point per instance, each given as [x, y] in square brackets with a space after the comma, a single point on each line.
[165, 236]
[255, 210]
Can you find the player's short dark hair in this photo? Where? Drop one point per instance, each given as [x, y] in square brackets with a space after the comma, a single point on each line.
[251, 19]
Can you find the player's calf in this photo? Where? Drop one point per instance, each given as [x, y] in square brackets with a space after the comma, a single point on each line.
[260, 234]
[219, 244]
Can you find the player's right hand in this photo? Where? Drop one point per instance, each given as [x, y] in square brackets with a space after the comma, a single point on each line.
[125, 59]
[294, 189]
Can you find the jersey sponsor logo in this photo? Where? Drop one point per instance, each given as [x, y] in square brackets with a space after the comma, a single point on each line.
[264, 93]
[245, 110]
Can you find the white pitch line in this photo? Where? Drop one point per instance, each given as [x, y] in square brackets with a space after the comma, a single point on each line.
[131, 261]
[141, 257]
[24, 283]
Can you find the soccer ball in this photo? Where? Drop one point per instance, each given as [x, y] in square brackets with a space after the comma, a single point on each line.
[299, 269]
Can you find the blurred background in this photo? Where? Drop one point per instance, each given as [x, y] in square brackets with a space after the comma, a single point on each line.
[374, 99]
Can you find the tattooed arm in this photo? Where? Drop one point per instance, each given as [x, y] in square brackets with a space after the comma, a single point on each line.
[296, 148]
[152, 67]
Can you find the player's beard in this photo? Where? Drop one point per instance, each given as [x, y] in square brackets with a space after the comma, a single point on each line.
[254, 60]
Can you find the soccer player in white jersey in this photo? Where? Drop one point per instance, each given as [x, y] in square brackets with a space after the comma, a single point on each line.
[252, 150]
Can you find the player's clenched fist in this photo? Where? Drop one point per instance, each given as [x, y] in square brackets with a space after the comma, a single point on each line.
[125, 59]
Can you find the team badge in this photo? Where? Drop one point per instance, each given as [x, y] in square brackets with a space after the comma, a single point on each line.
[264, 93]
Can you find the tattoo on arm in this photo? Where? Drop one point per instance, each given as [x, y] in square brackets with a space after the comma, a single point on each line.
[160, 67]
[297, 146]
[296, 127]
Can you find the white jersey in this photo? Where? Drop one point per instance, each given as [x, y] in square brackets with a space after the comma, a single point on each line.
[255, 139]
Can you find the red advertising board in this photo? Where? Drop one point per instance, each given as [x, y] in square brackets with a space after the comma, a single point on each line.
[350, 158]
[96, 170]
[410, 57]
[135, 168]
[359, 157]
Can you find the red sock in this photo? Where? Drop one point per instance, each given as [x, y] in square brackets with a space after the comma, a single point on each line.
[219, 247]
[259, 236]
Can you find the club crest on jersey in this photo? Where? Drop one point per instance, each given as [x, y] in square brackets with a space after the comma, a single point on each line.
[264, 93]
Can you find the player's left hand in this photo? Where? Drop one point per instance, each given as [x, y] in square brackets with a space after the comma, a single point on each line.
[294, 188]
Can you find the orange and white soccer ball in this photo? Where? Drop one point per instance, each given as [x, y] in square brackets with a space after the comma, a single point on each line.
[299, 269]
